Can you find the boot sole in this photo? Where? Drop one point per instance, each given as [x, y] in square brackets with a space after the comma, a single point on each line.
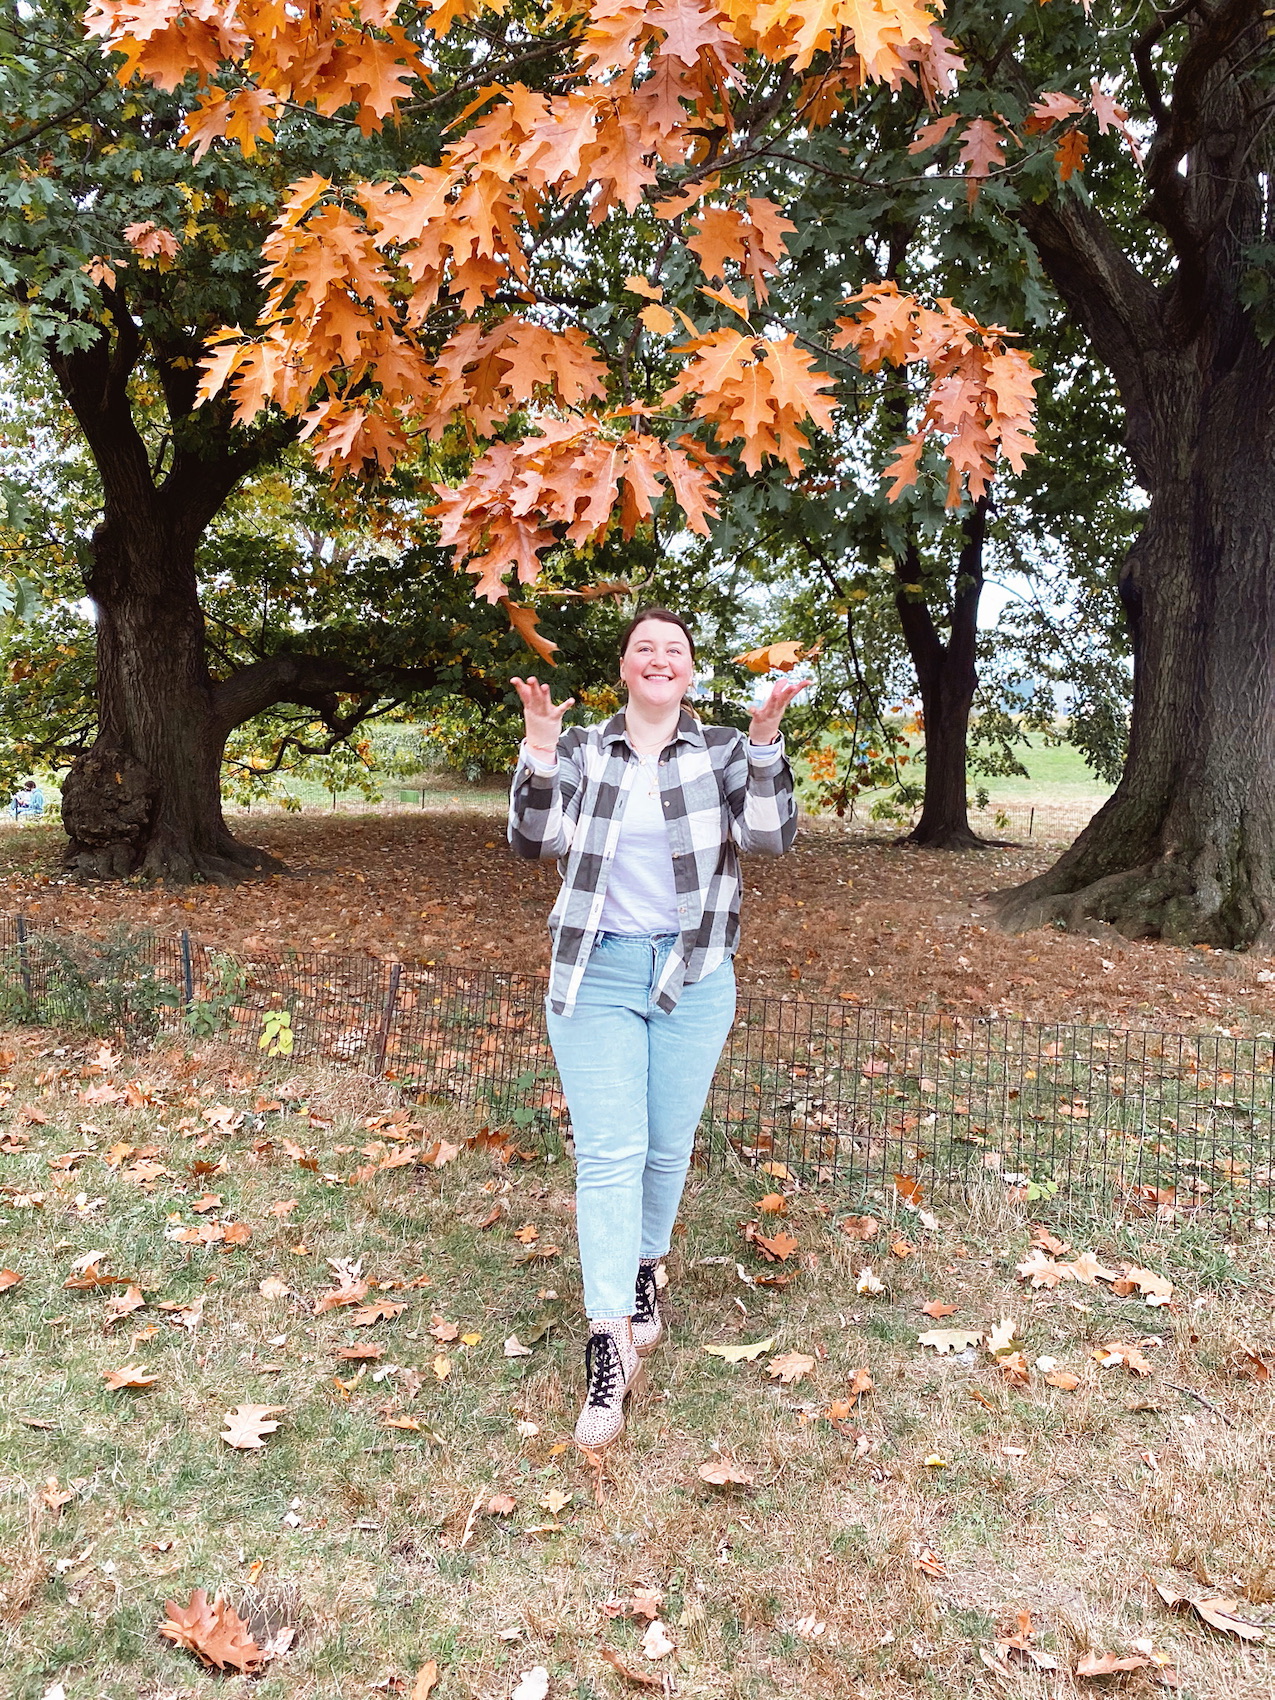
[651, 1346]
[637, 1385]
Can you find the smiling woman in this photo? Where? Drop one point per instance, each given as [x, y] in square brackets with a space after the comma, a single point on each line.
[646, 814]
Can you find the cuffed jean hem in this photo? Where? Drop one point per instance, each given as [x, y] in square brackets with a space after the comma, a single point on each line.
[635, 1078]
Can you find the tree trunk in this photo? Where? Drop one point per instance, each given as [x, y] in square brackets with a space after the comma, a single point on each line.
[147, 797]
[1185, 848]
[947, 675]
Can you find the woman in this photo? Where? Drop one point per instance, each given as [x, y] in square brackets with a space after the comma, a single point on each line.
[646, 813]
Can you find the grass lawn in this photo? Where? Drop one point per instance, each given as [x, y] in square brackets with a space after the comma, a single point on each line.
[878, 1546]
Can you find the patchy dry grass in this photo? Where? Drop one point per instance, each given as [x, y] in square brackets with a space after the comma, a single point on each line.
[375, 1542]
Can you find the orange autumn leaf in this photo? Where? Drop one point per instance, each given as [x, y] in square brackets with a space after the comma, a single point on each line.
[215, 1633]
[132, 1375]
[775, 1248]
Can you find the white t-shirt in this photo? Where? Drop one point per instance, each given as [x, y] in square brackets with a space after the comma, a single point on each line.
[641, 894]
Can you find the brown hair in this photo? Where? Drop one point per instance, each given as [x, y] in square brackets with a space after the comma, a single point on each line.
[665, 614]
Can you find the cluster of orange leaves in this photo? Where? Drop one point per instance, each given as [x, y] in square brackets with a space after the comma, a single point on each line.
[381, 327]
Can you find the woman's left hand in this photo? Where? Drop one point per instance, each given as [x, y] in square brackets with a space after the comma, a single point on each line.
[763, 728]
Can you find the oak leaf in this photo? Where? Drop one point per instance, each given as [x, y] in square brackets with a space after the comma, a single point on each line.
[215, 1633]
[1117, 1352]
[790, 1367]
[442, 1330]
[720, 1472]
[380, 1310]
[247, 1426]
[776, 1248]
[938, 1310]
[9, 1278]
[946, 1340]
[860, 1227]
[860, 1383]
[131, 1375]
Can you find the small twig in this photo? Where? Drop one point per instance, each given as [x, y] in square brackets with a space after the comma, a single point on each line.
[1200, 1400]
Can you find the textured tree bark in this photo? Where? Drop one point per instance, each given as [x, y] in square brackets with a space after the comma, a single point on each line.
[947, 674]
[1185, 847]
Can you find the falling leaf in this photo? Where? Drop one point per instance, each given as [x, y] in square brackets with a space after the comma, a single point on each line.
[533, 1684]
[938, 1310]
[720, 1472]
[657, 1643]
[514, 1348]
[426, 1681]
[132, 1375]
[790, 1367]
[741, 1354]
[247, 1426]
[868, 1281]
[946, 1340]
[216, 1634]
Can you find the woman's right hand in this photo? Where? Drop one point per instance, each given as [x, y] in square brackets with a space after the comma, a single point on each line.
[542, 717]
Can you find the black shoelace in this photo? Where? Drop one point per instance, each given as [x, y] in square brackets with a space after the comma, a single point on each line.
[646, 1294]
[601, 1368]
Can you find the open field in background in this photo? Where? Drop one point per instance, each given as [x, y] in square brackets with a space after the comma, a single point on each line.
[879, 1543]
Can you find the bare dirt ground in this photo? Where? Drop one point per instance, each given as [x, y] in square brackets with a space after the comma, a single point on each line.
[841, 917]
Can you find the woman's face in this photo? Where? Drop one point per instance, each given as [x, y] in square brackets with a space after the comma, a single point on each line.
[657, 667]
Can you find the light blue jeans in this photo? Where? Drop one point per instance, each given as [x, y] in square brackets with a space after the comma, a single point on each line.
[635, 1078]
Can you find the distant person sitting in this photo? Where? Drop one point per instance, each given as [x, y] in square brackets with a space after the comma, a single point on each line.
[28, 802]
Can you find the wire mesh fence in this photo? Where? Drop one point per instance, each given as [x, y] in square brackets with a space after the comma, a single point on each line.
[866, 1100]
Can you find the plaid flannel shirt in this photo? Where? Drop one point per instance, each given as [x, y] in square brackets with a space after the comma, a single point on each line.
[716, 802]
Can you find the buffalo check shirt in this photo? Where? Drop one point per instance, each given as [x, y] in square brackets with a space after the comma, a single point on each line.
[720, 794]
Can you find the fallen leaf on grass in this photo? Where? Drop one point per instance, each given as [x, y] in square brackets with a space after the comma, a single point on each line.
[1117, 1352]
[1156, 1289]
[774, 1204]
[775, 1248]
[409, 1423]
[215, 1633]
[426, 1681]
[741, 1354]
[929, 1562]
[1020, 1645]
[89, 1277]
[868, 1281]
[273, 1288]
[247, 1426]
[442, 1367]
[1013, 1366]
[501, 1505]
[186, 1316]
[528, 1234]
[909, 1188]
[790, 1367]
[352, 1294]
[9, 1278]
[1221, 1614]
[533, 1684]
[946, 1340]
[901, 1248]
[720, 1472]
[131, 1375]
[514, 1348]
[1087, 1270]
[380, 1310]
[657, 1642]
[860, 1227]
[938, 1310]
[638, 1678]
[442, 1331]
[1063, 1378]
[538, 1254]
[1042, 1271]
[860, 1383]
[1110, 1664]
[1000, 1339]
[359, 1354]
[122, 1305]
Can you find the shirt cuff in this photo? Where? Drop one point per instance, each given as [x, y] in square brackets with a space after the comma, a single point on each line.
[538, 765]
[765, 754]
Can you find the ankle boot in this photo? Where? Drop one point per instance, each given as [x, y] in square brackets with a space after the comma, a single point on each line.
[612, 1370]
[648, 1324]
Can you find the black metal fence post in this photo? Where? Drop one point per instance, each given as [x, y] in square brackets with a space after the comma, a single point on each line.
[188, 969]
[24, 959]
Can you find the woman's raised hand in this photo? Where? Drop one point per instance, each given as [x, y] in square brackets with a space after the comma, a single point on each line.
[542, 717]
[764, 725]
